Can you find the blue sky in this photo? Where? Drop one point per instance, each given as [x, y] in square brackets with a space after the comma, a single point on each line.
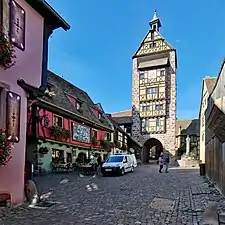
[95, 54]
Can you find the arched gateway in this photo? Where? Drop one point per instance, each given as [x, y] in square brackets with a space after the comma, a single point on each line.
[151, 150]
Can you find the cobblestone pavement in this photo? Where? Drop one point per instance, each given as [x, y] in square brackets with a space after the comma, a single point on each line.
[142, 197]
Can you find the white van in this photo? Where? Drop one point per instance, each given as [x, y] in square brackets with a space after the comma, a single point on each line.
[119, 163]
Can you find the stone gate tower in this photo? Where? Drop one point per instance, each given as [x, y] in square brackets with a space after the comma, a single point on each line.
[154, 89]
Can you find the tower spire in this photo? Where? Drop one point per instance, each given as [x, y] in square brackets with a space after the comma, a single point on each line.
[155, 23]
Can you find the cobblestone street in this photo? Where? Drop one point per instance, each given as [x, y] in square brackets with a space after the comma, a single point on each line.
[142, 197]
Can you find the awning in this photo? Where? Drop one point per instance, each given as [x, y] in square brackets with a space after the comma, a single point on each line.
[153, 63]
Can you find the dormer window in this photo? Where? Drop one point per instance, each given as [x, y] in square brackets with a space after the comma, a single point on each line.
[99, 116]
[78, 105]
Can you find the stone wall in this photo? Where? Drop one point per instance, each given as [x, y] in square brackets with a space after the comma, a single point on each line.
[168, 139]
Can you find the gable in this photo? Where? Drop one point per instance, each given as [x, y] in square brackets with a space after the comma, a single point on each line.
[153, 42]
[202, 97]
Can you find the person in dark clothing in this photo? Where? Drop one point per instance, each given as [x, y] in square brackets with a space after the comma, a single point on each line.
[99, 160]
[161, 162]
[166, 161]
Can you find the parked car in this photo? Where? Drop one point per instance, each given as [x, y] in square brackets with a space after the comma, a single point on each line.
[119, 163]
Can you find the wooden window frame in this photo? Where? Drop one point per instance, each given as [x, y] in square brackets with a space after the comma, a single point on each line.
[140, 76]
[94, 130]
[106, 137]
[152, 88]
[162, 72]
[158, 109]
[120, 137]
[125, 139]
[55, 115]
[157, 122]
[78, 103]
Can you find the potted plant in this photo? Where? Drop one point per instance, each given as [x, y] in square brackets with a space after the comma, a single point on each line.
[7, 52]
[66, 133]
[94, 141]
[56, 131]
[104, 143]
[5, 148]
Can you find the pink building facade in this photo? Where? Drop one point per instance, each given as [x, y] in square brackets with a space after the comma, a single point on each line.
[28, 24]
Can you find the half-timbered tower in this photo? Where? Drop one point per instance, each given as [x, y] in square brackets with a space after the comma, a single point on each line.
[154, 93]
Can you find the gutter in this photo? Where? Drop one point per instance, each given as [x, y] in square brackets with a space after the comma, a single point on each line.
[44, 9]
[43, 103]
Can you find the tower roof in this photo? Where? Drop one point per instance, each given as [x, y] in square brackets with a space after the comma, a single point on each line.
[155, 20]
[155, 17]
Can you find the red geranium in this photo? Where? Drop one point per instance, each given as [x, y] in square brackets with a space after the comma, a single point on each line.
[7, 52]
[5, 148]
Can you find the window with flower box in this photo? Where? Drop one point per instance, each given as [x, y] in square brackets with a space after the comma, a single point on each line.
[57, 121]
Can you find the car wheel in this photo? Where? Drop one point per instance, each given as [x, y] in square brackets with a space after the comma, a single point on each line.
[122, 172]
[132, 169]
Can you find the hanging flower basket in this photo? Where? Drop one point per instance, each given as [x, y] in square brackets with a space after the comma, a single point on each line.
[59, 132]
[7, 52]
[5, 149]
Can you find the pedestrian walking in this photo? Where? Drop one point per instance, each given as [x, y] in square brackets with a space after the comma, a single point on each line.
[99, 165]
[161, 162]
[167, 161]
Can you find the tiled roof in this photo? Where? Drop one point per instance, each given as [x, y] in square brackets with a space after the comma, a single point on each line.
[122, 113]
[62, 88]
[123, 120]
[122, 131]
[188, 127]
[210, 83]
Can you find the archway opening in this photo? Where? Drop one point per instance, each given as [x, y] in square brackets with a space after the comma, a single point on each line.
[151, 150]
